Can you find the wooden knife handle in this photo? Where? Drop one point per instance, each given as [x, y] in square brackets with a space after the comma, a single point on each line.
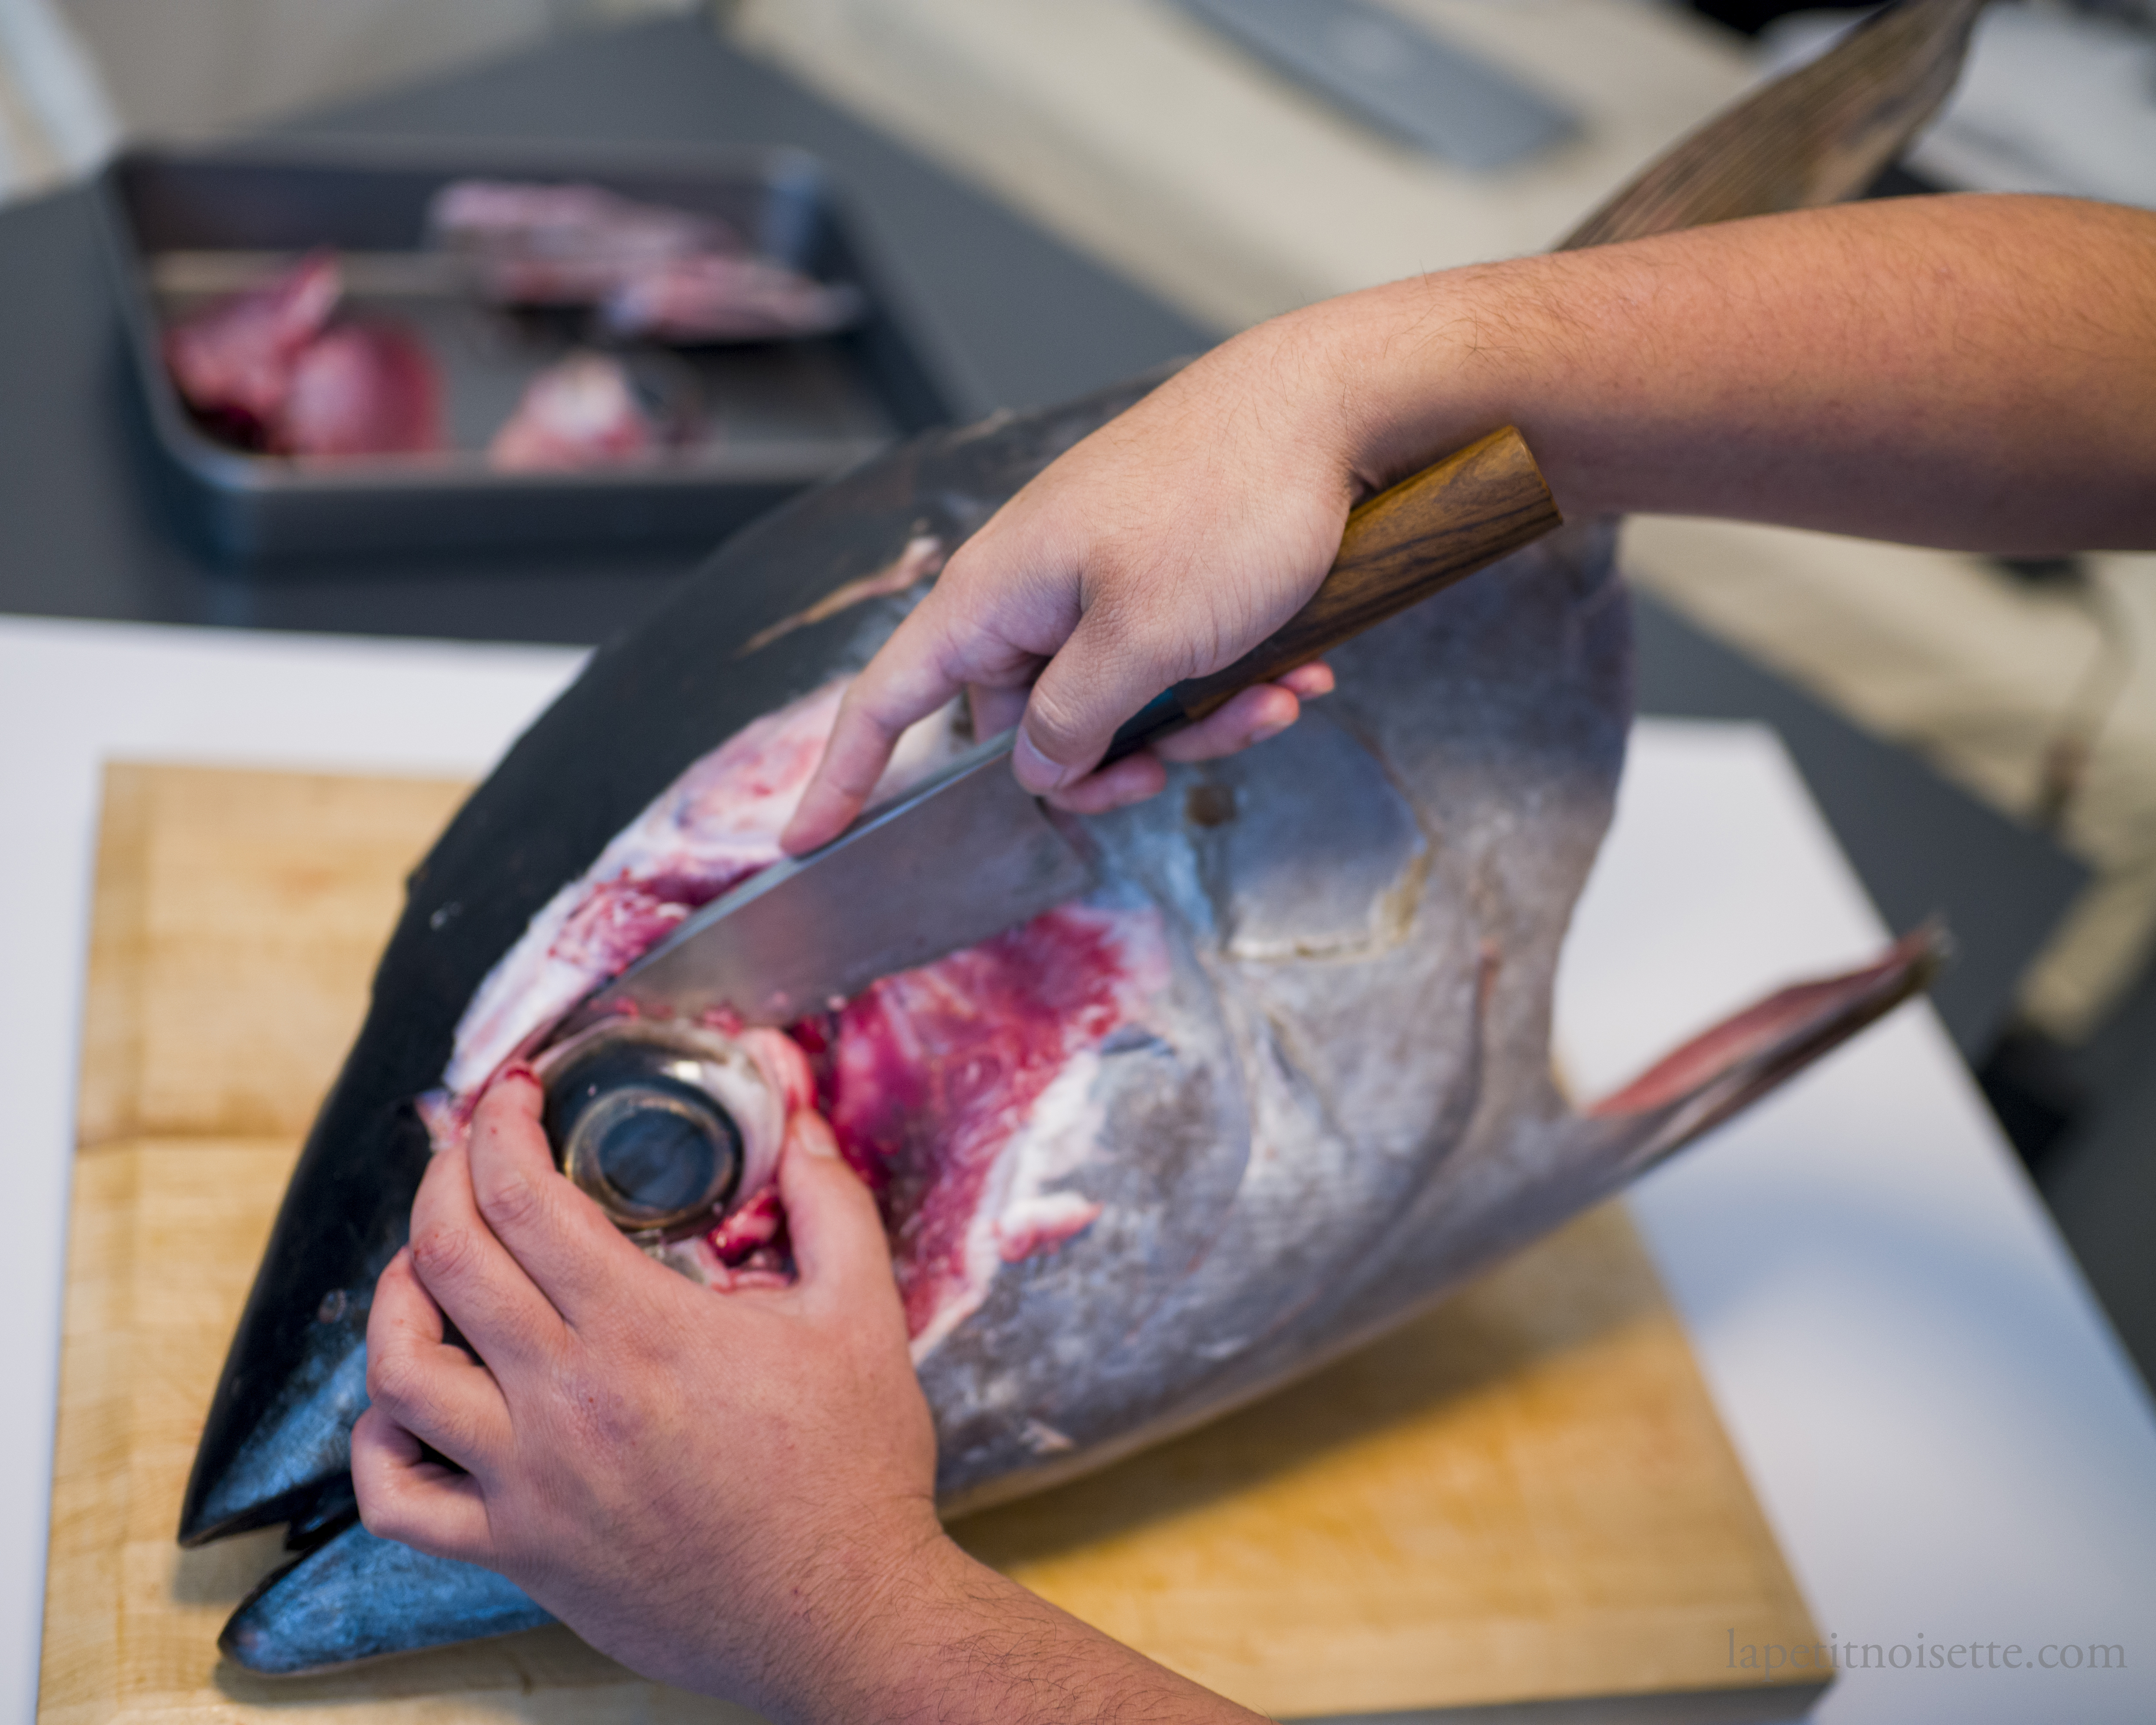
[1475, 507]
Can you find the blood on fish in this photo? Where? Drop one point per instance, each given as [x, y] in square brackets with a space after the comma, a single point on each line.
[929, 1078]
[717, 825]
[629, 918]
[932, 1074]
[757, 1226]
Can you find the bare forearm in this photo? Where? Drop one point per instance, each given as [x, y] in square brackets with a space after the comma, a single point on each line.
[954, 1643]
[1976, 372]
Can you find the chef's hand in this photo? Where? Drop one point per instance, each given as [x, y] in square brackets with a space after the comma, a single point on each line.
[690, 1479]
[1166, 545]
[732, 1493]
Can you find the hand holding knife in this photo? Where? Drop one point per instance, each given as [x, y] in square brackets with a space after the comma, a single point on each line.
[969, 853]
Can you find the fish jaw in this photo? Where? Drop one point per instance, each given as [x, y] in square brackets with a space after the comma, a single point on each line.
[355, 1597]
[277, 1436]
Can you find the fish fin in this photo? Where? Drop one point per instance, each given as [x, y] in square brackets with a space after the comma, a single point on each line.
[1817, 135]
[1728, 1067]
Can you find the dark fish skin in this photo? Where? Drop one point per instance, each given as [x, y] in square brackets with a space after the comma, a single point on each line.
[1479, 1153]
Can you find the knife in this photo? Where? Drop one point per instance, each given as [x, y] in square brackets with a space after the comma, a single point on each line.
[968, 852]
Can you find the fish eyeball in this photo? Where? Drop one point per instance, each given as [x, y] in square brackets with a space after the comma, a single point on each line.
[657, 1123]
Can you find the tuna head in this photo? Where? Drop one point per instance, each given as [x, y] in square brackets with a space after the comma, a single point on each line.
[1277, 1085]
[1281, 1081]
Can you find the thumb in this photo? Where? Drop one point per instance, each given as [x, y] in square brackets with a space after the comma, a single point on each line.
[838, 1244]
[1099, 678]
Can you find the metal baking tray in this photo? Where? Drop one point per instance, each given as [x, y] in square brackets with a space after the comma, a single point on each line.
[184, 224]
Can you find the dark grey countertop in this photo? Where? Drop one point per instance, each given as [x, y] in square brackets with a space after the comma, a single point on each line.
[1013, 317]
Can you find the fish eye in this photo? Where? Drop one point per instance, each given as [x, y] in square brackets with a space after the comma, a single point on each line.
[637, 1126]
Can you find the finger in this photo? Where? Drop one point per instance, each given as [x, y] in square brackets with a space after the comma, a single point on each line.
[559, 1239]
[431, 1388]
[994, 711]
[840, 1248]
[1131, 779]
[1090, 687]
[404, 1496]
[1309, 681]
[1250, 717]
[906, 681]
[469, 1273]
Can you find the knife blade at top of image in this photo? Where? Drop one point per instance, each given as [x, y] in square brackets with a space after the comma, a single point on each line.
[968, 852]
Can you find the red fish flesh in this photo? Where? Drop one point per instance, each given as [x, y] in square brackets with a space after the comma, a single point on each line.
[581, 411]
[728, 299]
[958, 1091]
[234, 360]
[532, 244]
[270, 370]
[360, 389]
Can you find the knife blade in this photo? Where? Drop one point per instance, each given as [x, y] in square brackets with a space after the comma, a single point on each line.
[888, 893]
[968, 853]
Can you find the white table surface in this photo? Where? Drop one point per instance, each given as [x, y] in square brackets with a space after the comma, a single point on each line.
[1937, 1419]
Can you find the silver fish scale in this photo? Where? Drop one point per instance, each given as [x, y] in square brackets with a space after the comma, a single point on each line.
[1356, 1034]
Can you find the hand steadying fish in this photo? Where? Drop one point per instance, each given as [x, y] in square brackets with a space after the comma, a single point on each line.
[1282, 1081]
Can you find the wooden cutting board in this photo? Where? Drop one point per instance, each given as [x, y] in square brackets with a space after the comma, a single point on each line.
[1521, 1506]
